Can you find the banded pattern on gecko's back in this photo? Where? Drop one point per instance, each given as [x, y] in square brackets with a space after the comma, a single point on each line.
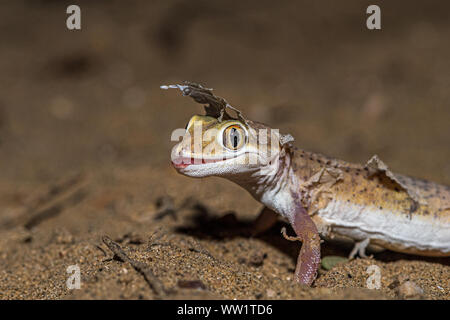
[359, 184]
[370, 202]
[431, 200]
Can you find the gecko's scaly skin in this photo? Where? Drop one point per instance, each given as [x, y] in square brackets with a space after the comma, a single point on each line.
[317, 194]
[410, 216]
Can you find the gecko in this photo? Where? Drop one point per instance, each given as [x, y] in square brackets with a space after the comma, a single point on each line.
[319, 196]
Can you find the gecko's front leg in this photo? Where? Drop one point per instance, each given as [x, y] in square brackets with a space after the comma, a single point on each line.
[309, 258]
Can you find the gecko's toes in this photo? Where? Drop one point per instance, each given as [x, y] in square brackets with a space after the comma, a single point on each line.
[360, 249]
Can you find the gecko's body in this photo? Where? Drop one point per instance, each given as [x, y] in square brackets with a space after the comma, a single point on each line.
[363, 202]
[318, 195]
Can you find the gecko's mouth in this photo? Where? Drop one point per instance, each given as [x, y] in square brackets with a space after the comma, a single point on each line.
[183, 162]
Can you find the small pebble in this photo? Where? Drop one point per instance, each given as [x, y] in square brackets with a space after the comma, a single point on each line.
[329, 262]
[257, 259]
[270, 293]
[191, 284]
[410, 290]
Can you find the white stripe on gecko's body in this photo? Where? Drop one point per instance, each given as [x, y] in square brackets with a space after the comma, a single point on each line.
[400, 231]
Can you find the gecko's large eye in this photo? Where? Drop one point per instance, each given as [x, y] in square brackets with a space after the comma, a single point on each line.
[234, 137]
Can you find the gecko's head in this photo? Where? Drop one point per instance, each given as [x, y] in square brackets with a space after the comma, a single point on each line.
[224, 148]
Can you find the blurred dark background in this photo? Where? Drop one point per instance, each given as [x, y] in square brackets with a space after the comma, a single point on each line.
[90, 100]
[85, 134]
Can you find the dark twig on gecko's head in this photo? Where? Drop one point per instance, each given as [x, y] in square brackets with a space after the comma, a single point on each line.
[215, 106]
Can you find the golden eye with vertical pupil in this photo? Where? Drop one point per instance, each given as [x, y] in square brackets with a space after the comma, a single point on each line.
[234, 137]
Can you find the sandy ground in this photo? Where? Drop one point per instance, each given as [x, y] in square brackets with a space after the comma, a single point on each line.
[85, 141]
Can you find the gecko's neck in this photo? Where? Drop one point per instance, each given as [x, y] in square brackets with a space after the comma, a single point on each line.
[273, 185]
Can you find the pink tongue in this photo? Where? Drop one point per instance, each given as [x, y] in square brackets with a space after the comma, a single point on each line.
[184, 162]
[180, 165]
